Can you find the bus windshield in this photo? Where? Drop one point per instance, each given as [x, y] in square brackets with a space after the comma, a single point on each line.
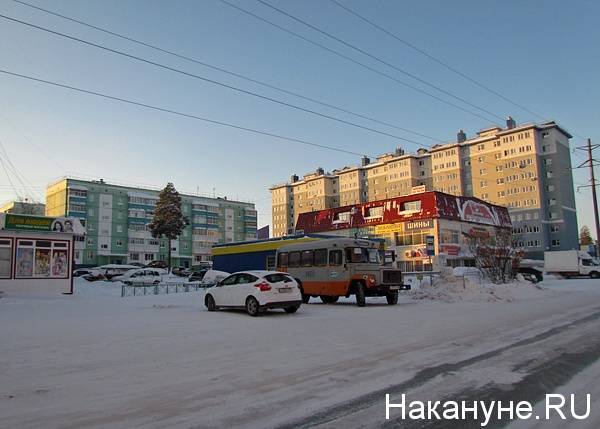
[362, 255]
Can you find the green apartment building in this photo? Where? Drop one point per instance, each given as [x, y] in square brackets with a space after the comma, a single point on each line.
[116, 219]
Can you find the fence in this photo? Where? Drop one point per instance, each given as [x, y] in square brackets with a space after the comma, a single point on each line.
[160, 288]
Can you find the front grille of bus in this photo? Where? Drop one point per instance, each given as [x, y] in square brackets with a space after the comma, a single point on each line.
[394, 276]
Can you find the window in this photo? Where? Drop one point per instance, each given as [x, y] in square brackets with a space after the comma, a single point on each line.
[90, 212]
[335, 257]
[5, 258]
[306, 258]
[555, 243]
[282, 260]
[554, 228]
[42, 259]
[119, 243]
[134, 256]
[294, 259]
[119, 228]
[320, 257]
[411, 205]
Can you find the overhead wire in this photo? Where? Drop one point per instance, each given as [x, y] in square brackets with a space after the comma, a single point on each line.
[205, 79]
[183, 114]
[379, 59]
[433, 58]
[354, 61]
[223, 70]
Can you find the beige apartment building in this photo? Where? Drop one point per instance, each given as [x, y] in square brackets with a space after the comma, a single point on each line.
[525, 168]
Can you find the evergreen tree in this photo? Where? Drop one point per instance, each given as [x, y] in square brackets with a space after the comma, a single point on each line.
[585, 238]
[168, 221]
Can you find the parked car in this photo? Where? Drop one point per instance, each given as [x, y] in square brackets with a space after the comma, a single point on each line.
[157, 264]
[112, 270]
[88, 274]
[181, 271]
[138, 264]
[212, 277]
[255, 291]
[197, 276]
[142, 276]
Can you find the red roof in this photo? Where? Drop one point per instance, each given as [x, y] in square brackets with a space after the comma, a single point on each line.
[392, 210]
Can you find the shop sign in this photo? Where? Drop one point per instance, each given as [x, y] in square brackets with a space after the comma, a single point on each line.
[43, 223]
[450, 249]
[418, 224]
[388, 228]
[472, 211]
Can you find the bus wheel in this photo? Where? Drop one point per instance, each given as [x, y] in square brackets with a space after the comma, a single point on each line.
[392, 297]
[329, 299]
[359, 291]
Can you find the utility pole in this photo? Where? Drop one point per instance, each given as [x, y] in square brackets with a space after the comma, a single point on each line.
[591, 162]
[594, 198]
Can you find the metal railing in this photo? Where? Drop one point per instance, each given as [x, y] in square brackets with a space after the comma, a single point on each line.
[140, 289]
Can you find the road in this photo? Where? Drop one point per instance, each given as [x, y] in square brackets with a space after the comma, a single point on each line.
[163, 361]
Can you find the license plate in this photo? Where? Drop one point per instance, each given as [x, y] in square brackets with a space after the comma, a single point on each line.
[285, 289]
[394, 287]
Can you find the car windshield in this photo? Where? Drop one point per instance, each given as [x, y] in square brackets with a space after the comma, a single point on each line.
[362, 255]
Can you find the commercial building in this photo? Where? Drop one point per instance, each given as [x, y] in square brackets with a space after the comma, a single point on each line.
[406, 222]
[116, 219]
[526, 168]
[23, 207]
[36, 254]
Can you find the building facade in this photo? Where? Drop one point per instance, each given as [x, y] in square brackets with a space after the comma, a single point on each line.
[405, 222]
[116, 219]
[23, 207]
[526, 168]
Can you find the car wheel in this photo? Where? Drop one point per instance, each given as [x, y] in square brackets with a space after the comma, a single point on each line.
[595, 274]
[359, 291]
[292, 309]
[252, 306]
[392, 297]
[209, 301]
[156, 282]
[329, 299]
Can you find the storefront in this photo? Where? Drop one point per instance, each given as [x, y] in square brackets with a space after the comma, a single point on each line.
[36, 254]
[407, 222]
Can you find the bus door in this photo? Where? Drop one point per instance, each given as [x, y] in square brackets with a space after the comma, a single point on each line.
[338, 280]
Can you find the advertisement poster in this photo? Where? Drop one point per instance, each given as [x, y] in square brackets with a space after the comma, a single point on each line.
[59, 263]
[42, 263]
[24, 262]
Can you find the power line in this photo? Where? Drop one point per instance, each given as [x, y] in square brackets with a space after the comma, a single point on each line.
[204, 79]
[186, 115]
[20, 178]
[376, 58]
[352, 60]
[433, 58]
[223, 70]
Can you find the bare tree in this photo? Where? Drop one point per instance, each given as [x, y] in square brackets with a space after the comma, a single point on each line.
[496, 255]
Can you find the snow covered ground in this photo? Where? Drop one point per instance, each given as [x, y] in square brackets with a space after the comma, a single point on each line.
[98, 360]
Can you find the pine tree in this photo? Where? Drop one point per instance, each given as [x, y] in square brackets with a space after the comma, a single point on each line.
[585, 238]
[168, 221]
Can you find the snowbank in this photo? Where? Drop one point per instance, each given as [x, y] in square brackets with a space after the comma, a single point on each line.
[450, 288]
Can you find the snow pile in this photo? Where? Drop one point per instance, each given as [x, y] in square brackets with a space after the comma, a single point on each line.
[82, 287]
[449, 288]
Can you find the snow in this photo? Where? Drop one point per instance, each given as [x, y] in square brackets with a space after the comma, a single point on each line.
[96, 360]
[463, 287]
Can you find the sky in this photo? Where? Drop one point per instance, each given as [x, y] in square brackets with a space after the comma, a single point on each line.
[542, 55]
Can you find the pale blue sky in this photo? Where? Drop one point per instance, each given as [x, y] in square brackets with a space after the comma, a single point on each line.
[542, 54]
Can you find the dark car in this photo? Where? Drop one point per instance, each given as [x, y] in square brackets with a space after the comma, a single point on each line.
[157, 264]
[197, 276]
[531, 274]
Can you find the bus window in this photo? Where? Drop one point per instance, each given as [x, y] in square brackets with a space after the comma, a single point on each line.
[306, 259]
[294, 259]
[320, 257]
[283, 260]
[335, 257]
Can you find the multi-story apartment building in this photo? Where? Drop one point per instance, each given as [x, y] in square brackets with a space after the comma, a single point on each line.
[116, 219]
[526, 168]
[23, 207]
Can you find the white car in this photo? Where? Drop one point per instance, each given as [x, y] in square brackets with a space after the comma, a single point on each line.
[255, 291]
[142, 276]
